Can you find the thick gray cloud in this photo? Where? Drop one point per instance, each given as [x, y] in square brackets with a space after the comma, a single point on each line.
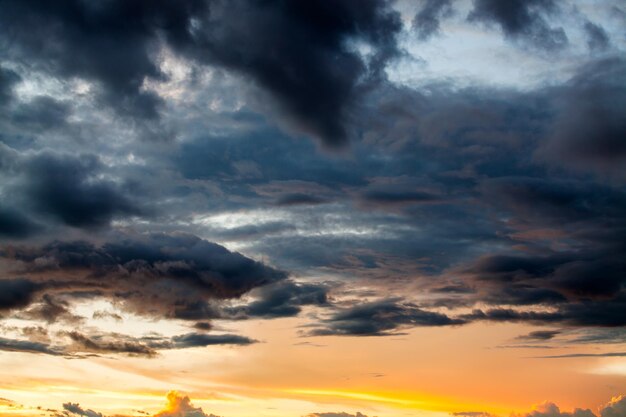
[12, 345]
[8, 79]
[511, 200]
[597, 38]
[77, 344]
[589, 131]
[522, 19]
[284, 299]
[65, 188]
[379, 318]
[163, 275]
[16, 292]
[313, 73]
[426, 21]
[14, 224]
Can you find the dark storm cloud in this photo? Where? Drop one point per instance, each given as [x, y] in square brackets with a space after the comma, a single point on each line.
[538, 235]
[597, 38]
[282, 162]
[299, 199]
[67, 188]
[553, 202]
[522, 19]
[109, 44]
[589, 132]
[584, 279]
[454, 190]
[586, 313]
[391, 197]
[548, 279]
[380, 318]
[16, 293]
[156, 274]
[8, 79]
[42, 113]
[284, 299]
[427, 21]
[13, 224]
[314, 70]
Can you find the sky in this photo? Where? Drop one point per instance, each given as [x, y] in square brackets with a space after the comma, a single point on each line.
[277, 208]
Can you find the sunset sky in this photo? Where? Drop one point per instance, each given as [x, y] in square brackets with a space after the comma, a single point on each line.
[284, 208]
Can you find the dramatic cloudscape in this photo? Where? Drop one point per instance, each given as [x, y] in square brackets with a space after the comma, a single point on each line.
[325, 208]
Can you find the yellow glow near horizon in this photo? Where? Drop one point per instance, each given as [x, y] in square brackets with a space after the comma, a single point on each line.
[408, 400]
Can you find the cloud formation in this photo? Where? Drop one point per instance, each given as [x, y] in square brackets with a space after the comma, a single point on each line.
[315, 74]
[427, 21]
[521, 19]
[379, 318]
[179, 405]
[178, 270]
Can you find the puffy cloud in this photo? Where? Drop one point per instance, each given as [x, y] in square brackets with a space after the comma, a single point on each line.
[552, 410]
[615, 408]
[179, 405]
